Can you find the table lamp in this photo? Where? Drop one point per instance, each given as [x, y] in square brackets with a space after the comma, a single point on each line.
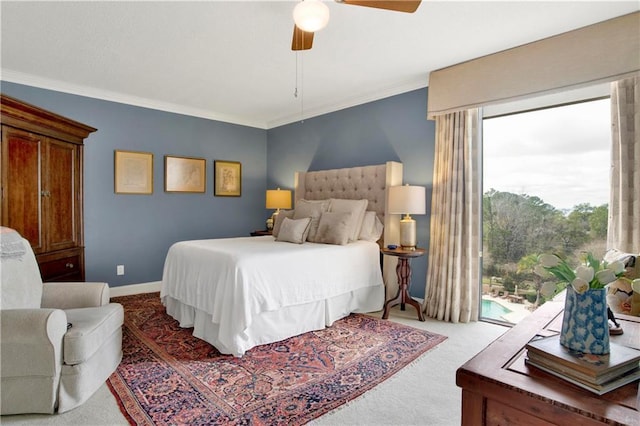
[277, 199]
[407, 200]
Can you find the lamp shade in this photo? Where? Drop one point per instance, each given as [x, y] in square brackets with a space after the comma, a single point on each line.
[311, 15]
[407, 199]
[278, 199]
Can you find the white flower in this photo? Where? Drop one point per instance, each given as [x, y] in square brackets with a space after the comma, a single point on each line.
[617, 267]
[540, 271]
[580, 285]
[606, 276]
[592, 274]
[635, 285]
[585, 272]
[548, 289]
[549, 260]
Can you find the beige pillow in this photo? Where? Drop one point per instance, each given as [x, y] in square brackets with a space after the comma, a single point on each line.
[279, 218]
[371, 227]
[333, 228]
[356, 208]
[294, 230]
[313, 210]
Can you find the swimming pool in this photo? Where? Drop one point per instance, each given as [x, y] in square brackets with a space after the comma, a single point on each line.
[493, 310]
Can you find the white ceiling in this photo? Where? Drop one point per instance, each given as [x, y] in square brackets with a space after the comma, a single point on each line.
[231, 61]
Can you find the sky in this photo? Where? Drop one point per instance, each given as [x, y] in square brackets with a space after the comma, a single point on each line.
[561, 155]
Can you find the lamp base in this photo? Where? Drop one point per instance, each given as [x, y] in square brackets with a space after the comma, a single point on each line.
[408, 233]
[272, 220]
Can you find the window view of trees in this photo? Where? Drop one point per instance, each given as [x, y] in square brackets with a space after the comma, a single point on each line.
[518, 228]
[520, 225]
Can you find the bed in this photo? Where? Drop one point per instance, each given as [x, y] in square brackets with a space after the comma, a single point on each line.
[238, 293]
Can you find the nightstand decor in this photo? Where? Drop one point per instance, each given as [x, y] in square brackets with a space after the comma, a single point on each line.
[277, 199]
[407, 200]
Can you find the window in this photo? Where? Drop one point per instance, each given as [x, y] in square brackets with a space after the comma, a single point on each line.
[546, 189]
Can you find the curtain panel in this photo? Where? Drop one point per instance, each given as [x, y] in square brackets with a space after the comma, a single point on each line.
[624, 205]
[452, 290]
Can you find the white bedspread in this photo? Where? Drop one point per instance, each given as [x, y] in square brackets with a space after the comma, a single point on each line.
[236, 279]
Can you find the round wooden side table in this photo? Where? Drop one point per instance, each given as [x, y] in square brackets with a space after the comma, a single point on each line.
[403, 271]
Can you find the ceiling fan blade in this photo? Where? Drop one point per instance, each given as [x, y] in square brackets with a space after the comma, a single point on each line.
[302, 40]
[408, 6]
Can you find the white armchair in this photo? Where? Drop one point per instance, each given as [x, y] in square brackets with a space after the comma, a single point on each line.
[59, 342]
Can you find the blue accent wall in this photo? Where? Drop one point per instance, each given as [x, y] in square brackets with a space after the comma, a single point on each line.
[137, 230]
[390, 129]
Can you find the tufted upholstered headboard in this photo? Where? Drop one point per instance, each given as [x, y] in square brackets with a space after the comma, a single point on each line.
[354, 183]
[357, 183]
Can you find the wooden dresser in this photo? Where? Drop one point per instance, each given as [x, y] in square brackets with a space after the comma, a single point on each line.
[41, 169]
[499, 389]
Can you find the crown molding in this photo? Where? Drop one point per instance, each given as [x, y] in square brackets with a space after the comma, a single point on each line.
[90, 92]
[407, 86]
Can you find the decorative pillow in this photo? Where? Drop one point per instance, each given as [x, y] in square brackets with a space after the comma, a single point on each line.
[333, 228]
[294, 230]
[356, 208]
[371, 227]
[313, 210]
[279, 218]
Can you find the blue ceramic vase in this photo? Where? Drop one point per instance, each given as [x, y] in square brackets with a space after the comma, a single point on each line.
[585, 325]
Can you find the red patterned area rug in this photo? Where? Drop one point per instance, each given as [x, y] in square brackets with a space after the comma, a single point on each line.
[167, 376]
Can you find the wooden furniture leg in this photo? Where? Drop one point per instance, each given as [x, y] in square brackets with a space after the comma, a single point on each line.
[403, 270]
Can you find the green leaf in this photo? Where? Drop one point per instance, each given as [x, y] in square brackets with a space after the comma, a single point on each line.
[593, 262]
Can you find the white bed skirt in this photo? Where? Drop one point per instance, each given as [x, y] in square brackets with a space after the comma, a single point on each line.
[273, 326]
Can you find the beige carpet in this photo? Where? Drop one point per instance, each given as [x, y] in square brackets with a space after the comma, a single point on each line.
[424, 393]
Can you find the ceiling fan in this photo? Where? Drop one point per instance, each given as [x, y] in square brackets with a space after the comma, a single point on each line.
[313, 15]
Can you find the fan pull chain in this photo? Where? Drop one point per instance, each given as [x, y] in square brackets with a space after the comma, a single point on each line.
[295, 93]
[302, 88]
[300, 80]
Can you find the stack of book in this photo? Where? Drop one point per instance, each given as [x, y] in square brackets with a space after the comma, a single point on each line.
[596, 373]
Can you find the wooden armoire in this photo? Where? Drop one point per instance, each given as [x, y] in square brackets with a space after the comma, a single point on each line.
[41, 167]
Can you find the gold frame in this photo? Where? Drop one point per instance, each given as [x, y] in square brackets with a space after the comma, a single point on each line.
[185, 174]
[133, 172]
[227, 178]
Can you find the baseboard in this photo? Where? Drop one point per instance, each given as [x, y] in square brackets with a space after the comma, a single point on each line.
[128, 290]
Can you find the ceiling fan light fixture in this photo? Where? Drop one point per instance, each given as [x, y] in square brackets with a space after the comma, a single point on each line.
[311, 15]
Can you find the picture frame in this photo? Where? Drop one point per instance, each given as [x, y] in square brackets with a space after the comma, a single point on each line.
[133, 172]
[227, 178]
[185, 174]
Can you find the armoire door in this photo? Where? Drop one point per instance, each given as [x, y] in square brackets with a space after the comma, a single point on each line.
[60, 183]
[22, 193]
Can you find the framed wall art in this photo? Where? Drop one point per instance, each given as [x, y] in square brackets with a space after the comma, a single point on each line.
[184, 174]
[227, 180]
[133, 172]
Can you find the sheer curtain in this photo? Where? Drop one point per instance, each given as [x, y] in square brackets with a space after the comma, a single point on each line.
[624, 206]
[452, 291]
